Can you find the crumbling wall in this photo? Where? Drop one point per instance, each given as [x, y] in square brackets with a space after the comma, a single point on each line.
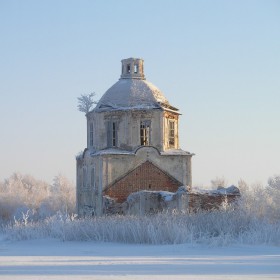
[213, 199]
[144, 202]
[151, 202]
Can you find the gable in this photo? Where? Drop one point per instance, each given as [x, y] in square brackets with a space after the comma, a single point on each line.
[147, 176]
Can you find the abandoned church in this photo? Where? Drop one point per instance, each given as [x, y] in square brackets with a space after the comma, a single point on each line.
[132, 144]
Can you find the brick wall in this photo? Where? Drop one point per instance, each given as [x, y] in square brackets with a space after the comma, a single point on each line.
[209, 202]
[147, 202]
[145, 177]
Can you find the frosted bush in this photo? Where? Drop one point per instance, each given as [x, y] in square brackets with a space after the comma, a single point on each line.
[216, 228]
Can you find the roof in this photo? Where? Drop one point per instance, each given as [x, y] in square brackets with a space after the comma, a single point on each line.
[115, 151]
[132, 94]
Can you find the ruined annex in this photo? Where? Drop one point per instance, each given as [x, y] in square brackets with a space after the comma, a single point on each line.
[132, 144]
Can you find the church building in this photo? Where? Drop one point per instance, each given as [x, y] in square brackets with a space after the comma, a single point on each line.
[132, 143]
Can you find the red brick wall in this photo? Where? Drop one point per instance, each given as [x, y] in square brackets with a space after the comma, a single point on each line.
[209, 202]
[145, 177]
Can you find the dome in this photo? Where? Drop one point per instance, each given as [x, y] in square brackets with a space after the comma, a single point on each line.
[132, 91]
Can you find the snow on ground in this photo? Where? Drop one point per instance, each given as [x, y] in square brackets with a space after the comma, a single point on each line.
[53, 259]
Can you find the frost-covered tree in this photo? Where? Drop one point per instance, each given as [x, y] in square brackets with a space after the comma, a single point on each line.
[86, 102]
[218, 182]
[63, 191]
[18, 193]
[243, 186]
[273, 191]
[274, 183]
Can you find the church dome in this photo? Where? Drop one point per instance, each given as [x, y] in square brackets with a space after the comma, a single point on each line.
[132, 91]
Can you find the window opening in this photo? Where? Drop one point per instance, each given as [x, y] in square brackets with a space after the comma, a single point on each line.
[135, 68]
[84, 177]
[91, 134]
[81, 179]
[92, 178]
[128, 68]
[114, 135]
[145, 133]
[171, 133]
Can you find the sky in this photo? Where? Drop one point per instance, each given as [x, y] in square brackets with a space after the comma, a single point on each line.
[217, 61]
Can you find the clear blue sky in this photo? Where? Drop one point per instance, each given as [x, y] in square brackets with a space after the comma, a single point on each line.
[218, 61]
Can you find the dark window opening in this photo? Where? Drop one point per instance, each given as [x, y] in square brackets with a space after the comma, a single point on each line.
[128, 68]
[145, 133]
[114, 135]
[171, 134]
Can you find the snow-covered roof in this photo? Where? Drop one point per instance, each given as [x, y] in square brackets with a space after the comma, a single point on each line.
[132, 94]
[173, 152]
[165, 195]
[115, 151]
[111, 152]
[220, 191]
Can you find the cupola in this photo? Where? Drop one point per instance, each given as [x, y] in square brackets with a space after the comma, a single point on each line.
[133, 68]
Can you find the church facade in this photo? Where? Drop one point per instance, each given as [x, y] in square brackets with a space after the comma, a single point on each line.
[132, 143]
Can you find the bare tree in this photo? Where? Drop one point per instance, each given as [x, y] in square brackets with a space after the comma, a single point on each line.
[85, 102]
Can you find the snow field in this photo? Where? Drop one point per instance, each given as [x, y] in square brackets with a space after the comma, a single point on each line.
[52, 259]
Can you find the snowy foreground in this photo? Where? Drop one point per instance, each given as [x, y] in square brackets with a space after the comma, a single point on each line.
[53, 259]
